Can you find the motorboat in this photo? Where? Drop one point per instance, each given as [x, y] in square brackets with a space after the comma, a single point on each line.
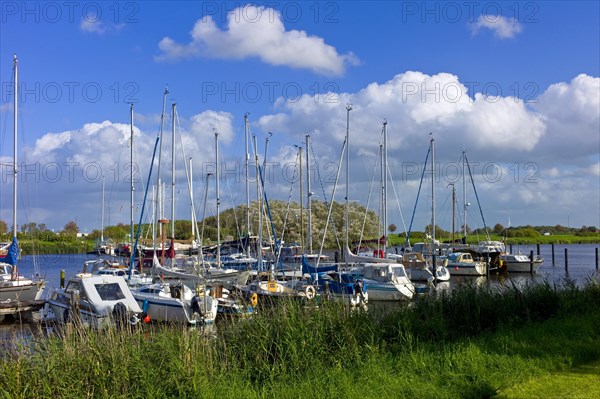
[521, 263]
[385, 281]
[96, 301]
[420, 270]
[463, 264]
[175, 302]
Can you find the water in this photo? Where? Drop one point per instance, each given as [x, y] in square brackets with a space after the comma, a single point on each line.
[582, 267]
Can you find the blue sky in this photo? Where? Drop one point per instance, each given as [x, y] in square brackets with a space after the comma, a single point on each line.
[514, 84]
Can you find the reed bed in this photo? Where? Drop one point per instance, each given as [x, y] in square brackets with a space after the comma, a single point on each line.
[470, 342]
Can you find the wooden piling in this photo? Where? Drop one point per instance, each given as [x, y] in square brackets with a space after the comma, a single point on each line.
[566, 261]
[552, 254]
[62, 278]
[596, 258]
[531, 262]
[538, 249]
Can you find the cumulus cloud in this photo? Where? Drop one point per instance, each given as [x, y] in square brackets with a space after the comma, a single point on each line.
[258, 32]
[502, 27]
[571, 111]
[415, 104]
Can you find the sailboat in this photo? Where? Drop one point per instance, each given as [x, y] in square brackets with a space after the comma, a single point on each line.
[386, 281]
[17, 293]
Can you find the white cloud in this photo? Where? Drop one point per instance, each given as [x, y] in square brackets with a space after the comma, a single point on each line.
[98, 27]
[258, 32]
[503, 28]
[572, 113]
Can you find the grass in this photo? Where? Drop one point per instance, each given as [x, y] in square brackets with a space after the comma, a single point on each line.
[467, 343]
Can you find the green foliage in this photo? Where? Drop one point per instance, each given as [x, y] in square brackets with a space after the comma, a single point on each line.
[442, 346]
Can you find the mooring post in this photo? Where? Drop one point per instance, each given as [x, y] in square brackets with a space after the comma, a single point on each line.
[531, 262]
[538, 249]
[596, 258]
[553, 254]
[566, 261]
[62, 278]
[511, 248]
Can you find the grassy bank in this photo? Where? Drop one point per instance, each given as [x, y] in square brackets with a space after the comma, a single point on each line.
[395, 240]
[468, 343]
[35, 247]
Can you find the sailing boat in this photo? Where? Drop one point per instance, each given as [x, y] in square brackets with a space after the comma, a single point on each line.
[17, 293]
[386, 281]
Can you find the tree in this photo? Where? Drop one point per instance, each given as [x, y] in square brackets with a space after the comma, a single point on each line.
[71, 229]
[498, 228]
[392, 228]
[3, 227]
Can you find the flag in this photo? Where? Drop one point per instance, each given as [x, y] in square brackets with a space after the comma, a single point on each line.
[13, 252]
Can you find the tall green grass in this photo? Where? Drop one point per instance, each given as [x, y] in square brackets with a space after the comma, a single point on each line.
[470, 342]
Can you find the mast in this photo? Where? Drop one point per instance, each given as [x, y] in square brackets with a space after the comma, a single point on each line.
[432, 141]
[453, 202]
[159, 189]
[102, 215]
[381, 222]
[218, 199]
[301, 200]
[131, 238]
[348, 109]
[173, 173]
[309, 197]
[208, 175]
[384, 161]
[15, 171]
[464, 197]
[258, 205]
[192, 201]
[247, 133]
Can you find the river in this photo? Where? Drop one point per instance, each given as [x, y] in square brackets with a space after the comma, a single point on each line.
[581, 267]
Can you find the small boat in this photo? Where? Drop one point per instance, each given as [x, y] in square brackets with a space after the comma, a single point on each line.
[175, 302]
[95, 301]
[463, 264]
[419, 270]
[104, 267]
[521, 263]
[269, 289]
[385, 281]
[346, 287]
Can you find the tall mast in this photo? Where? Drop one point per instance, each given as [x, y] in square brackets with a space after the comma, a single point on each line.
[384, 161]
[193, 213]
[348, 109]
[433, 265]
[173, 172]
[102, 215]
[309, 197]
[247, 133]
[218, 199]
[301, 201]
[464, 197]
[453, 202]
[161, 214]
[15, 171]
[132, 188]
[258, 204]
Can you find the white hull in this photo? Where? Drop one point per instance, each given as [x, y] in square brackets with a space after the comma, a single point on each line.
[477, 269]
[21, 290]
[388, 291]
[522, 267]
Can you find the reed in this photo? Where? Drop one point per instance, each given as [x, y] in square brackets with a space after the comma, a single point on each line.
[468, 342]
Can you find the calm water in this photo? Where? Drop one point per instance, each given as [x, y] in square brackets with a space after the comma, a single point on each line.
[581, 267]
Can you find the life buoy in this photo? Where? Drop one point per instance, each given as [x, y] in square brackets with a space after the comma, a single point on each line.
[310, 292]
[254, 299]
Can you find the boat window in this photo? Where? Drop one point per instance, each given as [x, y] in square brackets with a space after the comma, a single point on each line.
[110, 291]
[398, 271]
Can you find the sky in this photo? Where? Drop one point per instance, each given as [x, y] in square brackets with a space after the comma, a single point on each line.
[516, 85]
